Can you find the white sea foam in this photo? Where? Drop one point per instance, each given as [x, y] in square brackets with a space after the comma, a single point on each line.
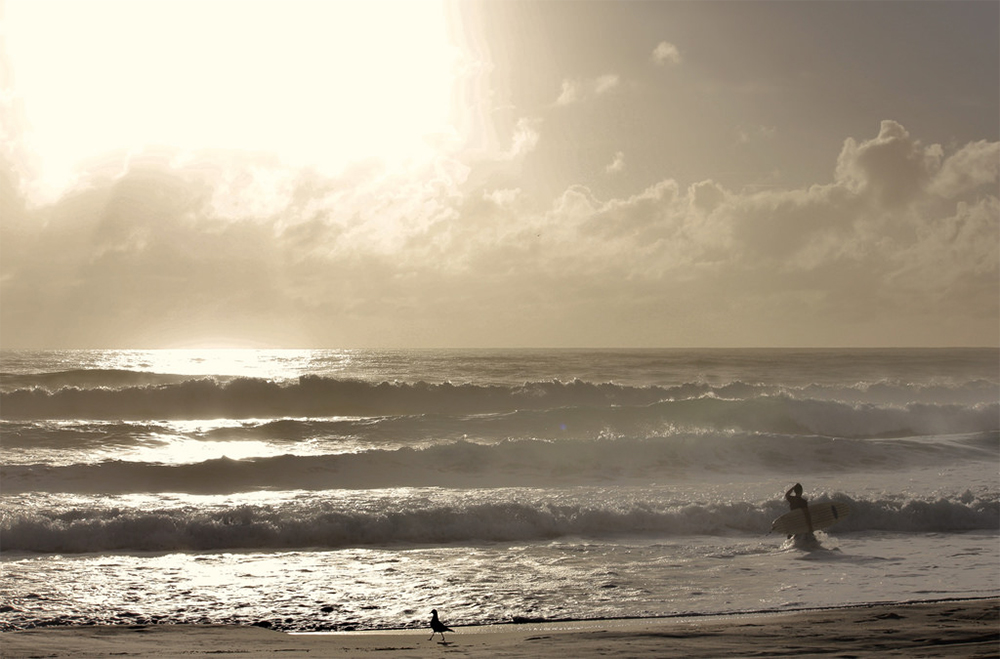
[99, 524]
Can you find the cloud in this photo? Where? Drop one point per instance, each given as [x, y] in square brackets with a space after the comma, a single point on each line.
[873, 248]
[974, 165]
[892, 167]
[605, 83]
[503, 197]
[617, 164]
[900, 247]
[666, 53]
[961, 246]
[150, 255]
[754, 134]
[570, 93]
[525, 138]
[574, 91]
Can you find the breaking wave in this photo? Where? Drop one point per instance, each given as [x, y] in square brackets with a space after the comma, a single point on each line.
[506, 463]
[132, 395]
[103, 527]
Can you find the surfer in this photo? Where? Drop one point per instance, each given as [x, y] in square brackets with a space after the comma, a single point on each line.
[803, 520]
[795, 501]
[794, 497]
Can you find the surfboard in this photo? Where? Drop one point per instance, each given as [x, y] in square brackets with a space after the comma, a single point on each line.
[821, 515]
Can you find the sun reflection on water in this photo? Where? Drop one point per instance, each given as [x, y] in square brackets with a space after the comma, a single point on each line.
[190, 451]
[236, 362]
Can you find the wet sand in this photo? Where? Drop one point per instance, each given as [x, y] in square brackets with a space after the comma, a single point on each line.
[951, 628]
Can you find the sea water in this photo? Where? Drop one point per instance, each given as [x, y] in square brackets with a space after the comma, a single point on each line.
[349, 489]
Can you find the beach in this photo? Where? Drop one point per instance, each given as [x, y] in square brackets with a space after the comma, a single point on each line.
[948, 628]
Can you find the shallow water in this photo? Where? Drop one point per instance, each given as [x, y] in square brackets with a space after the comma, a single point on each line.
[566, 579]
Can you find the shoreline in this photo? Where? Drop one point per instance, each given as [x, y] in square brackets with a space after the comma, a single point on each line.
[954, 627]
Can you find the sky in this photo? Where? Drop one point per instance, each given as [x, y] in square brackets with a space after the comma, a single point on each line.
[403, 174]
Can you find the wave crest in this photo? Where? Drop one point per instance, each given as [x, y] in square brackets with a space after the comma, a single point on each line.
[507, 463]
[101, 528]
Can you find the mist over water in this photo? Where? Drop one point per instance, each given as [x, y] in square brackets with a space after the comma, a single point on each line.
[114, 461]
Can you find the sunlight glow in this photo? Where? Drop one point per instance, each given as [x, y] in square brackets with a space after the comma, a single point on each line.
[318, 83]
[194, 451]
[278, 364]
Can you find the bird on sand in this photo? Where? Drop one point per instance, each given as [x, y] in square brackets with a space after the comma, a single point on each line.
[438, 626]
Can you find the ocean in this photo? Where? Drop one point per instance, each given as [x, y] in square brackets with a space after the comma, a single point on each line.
[320, 490]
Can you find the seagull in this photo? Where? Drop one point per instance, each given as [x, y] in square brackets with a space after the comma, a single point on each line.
[438, 626]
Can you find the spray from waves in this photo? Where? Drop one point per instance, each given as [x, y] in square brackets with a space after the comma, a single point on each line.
[314, 524]
[133, 396]
[310, 396]
[529, 410]
[764, 415]
[507, 463]
[89, 378]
